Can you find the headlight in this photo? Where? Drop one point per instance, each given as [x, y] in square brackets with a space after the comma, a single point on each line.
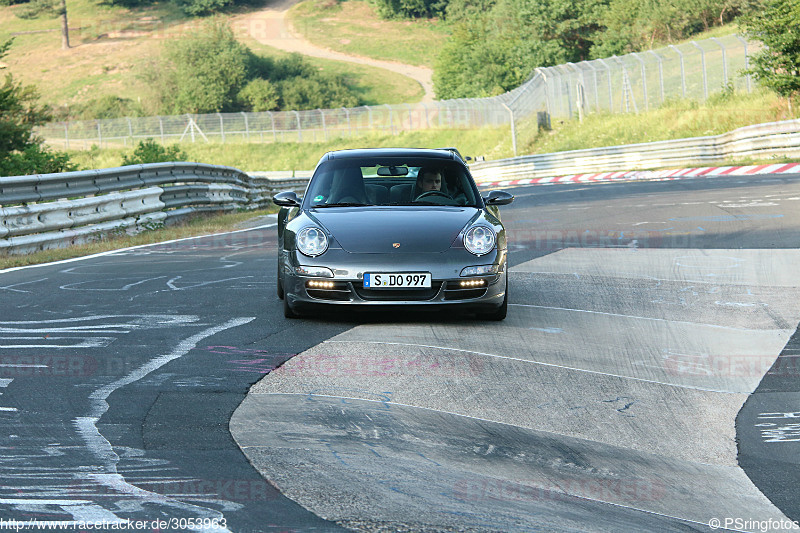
[312, 241]
[479, 240]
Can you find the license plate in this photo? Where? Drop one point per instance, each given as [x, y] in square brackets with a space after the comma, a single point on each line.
[406, 280]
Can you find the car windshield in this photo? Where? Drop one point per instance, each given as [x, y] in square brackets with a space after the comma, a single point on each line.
[392, 182]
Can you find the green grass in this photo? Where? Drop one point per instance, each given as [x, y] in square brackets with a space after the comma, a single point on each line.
[675, 120]
[353, 27]
[491, 142]
[373, 86]
[198, 225]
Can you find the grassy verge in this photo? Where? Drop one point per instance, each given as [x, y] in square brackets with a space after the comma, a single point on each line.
[491, 142]
[353, 27]
[199, 225]
[677, 119]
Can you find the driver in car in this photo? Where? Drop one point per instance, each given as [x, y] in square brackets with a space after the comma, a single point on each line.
[428, 179]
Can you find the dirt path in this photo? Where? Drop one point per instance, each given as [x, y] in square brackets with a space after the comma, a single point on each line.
[271, 26]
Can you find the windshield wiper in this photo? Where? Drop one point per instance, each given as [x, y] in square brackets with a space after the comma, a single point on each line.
[340, 204]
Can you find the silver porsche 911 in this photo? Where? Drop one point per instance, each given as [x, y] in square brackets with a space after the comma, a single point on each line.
[392, 227]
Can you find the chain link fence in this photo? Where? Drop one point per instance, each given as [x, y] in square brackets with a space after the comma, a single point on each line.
[630, 83]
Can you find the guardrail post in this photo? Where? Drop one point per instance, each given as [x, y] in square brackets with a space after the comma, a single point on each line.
[703, 63]
[683, 70]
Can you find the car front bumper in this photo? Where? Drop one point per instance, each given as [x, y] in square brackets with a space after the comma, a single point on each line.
[346, 286]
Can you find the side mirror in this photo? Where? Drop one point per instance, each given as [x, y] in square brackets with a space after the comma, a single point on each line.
[498, 198]
[286, 199]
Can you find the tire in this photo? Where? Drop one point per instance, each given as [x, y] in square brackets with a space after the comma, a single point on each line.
[281, 293]
[499, 313]
[288, 312]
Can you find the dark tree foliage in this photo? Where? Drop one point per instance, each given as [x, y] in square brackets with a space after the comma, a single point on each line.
[777, 25]
[492, 53]
[20, 151]
[391, 9]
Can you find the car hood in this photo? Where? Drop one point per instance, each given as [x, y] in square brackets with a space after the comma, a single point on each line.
[394, 229]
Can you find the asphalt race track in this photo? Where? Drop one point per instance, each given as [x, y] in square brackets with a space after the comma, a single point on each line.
[646, 379]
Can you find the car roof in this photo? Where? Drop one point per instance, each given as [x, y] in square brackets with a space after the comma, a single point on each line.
[393, 152]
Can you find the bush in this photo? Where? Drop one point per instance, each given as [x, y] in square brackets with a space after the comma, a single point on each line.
[106, 107]
[203, 73]
[149, 151]
[259, 95]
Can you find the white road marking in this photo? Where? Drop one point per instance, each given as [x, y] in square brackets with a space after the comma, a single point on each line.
[101, 447]
[4, 382]
[552, 365]
[123, 250]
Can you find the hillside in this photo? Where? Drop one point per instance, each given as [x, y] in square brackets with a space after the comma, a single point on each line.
[112, 46]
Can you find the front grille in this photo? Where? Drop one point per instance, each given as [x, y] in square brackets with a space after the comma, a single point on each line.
[340, 292]
[398, 294]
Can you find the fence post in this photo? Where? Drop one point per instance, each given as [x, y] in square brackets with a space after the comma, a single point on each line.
[272, 119]
[161, 128]
[349, 129]
[610, 88]
[130, 129]
[299, 127]
[99, 135]
[221, 128]
[66, 134]
[427, 119]
[683, 71]
[660, 73]
[644, 81]
[746, 61]
[724, 61]
[391, 118]
[703, 63]
[246, 126]
[324, 128]
[410, 119]
[513, 129]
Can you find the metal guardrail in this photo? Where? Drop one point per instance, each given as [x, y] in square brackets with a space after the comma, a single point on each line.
[775, 139]
[56, 210]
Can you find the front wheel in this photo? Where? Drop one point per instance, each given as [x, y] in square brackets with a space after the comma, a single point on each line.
[280, 281]
[499, 313]
[288, 312]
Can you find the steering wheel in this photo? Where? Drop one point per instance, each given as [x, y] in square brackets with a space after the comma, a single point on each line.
[432, 193]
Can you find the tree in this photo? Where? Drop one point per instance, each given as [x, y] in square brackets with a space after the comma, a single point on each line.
[777, 25]
[494, 52]
[203, 72]
[20, 151]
